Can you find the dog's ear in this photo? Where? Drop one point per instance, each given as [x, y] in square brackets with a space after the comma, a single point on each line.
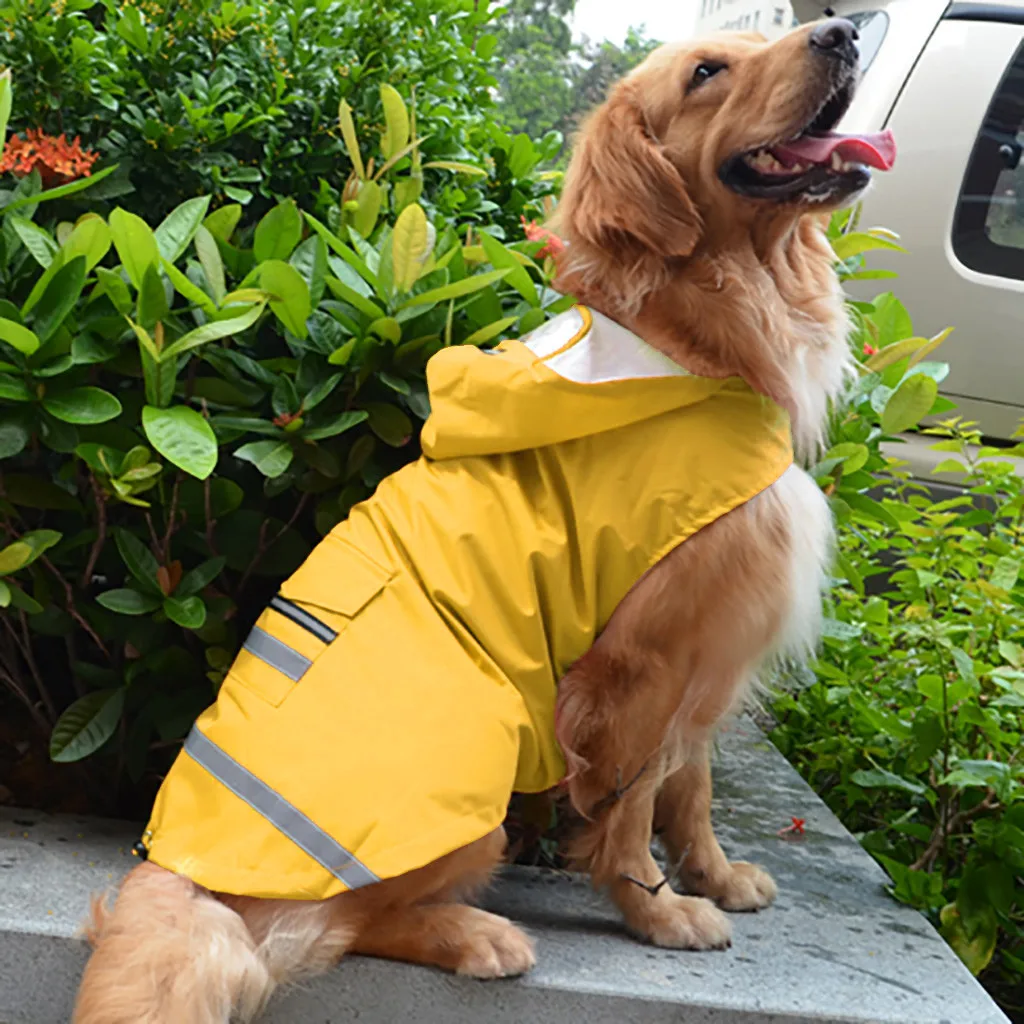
[620, 185]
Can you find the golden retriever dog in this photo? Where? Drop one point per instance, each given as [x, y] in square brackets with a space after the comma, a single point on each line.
[692, 215]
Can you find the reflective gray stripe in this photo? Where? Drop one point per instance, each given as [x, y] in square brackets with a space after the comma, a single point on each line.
[302, 618]
[285, 817]
[276, 654]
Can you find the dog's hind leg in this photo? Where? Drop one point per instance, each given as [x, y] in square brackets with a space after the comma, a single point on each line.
[425, 922]
[169, 953]
[454, 936]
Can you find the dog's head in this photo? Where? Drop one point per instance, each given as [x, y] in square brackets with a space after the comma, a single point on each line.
[705, 139]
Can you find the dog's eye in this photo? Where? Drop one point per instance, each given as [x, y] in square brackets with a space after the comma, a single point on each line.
[702, 72]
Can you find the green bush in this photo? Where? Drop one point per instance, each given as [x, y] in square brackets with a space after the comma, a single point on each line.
[911, 726]
[185, 409]
[240, 101]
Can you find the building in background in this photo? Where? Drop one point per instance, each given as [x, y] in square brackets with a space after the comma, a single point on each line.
[771, 18]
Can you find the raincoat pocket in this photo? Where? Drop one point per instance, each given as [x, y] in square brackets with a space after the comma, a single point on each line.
[314, 605]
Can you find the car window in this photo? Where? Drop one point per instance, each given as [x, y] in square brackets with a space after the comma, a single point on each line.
[988, 231]
[871, 27]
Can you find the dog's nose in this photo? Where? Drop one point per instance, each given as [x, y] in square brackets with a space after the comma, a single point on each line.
[835, 37]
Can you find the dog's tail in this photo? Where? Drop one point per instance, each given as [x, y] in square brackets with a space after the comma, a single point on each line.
[169, 953]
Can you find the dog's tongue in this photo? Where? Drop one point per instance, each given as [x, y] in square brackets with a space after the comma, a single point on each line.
[876, 149]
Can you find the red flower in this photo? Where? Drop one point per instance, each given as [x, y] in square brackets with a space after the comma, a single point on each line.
[869, 349]
[57, 160]
[535, 233]
[797, 828]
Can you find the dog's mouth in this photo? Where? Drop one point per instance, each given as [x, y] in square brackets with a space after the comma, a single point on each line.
[816, 165]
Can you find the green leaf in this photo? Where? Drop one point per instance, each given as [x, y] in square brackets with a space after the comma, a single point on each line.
[14, 437]
[857, 242]
[456, 289]
[115, 289]
[61, 191]
[348, 133]
[211, 262]
[502, 259]
[187, 612]
[310, 260]
[271, 458]
[24, 602]
[201, 576]
[183, 437]
[368, 204]
[894, 353]
[364, 305]
[291, 303]
[356, 262]
[836, 629]
[38, 242]
[458, 166]
[91, 238]
[14, 390]
[39, 288]
[523, 156]
[406, 191]
[5, 595]
[178, 228]
[853, 456]
[339, 425]
[241, 195]
[138, 559]
[871, 508]
[339, 357]
[135, 244]
[396, 117]
[879, 778]
[21, 338]
[964, 666]
[82, 405]
[909, 404]
[187, 290]
[59, 298]
[278, 233]
[212, 331]
[126, 601]
[6, 99]
[490, 331]
[25, 551]
[86, 725]
[1006, 571]
[222, 223]
[388, 328]
[975, 950]
[891, 318]
[318, 393]
[389, 423]
[409, 246]
[152, 298]
[849, 571]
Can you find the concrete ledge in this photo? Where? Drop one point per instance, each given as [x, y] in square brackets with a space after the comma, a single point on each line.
[835, 948]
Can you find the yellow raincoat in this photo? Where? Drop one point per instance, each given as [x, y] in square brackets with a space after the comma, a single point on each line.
[402, 684]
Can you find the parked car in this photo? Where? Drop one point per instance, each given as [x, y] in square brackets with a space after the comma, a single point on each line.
[948, 79]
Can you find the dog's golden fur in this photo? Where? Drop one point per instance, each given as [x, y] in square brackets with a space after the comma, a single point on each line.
[724, 286]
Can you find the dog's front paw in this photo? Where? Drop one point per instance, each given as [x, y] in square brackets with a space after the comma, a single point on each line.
[743, 887]
[683, 922]
[495, 948]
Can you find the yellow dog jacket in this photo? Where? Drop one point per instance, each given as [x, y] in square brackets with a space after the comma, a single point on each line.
[402, 685]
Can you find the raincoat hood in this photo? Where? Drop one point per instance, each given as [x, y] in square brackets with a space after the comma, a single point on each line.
[546, 389]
